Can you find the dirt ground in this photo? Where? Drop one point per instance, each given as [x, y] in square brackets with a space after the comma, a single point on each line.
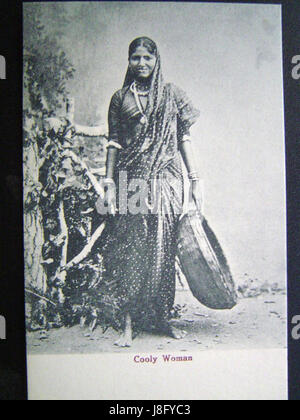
[258, 322]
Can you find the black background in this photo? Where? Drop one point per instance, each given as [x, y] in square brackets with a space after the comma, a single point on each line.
[12, 350]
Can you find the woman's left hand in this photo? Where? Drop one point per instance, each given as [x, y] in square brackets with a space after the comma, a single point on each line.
[198, 197]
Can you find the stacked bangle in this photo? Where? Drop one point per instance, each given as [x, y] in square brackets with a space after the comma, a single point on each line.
[185, 139]
[114, 144]
[109, 180]
[194, 176]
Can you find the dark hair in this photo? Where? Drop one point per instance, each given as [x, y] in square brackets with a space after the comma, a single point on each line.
[143, 41]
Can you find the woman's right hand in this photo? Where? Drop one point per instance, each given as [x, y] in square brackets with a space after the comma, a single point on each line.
[110, 199]
[106, 203]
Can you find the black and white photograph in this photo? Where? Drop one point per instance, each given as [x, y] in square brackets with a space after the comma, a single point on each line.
[154, 179]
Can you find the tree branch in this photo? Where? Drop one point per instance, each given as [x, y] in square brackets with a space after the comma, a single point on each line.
[99, 190]
[40, 297]
[61, 275]
[86, 250]
[96, 131]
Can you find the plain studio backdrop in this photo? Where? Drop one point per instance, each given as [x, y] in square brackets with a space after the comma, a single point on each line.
[228, 58]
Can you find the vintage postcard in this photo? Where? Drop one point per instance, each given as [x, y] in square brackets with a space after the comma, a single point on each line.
[154, 200]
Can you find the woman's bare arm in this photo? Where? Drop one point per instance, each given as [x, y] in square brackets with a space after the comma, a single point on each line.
[112, 154]
[187, 154]
[110, 191]
[186, 150]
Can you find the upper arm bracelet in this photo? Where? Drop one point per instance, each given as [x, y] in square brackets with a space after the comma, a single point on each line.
[114, 144]
[185, 139]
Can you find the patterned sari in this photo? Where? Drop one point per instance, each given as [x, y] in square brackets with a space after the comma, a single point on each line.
[139, 250]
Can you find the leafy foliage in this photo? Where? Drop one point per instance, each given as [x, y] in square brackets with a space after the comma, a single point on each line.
[46, 68]
[56, 185]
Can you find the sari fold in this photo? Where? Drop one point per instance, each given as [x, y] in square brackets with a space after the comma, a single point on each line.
[139, 250]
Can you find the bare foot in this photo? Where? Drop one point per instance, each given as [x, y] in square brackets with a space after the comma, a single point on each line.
[124, 341]
[126, 338]
[176, 333]
[173, 332]
[93, 325]
[82, 321]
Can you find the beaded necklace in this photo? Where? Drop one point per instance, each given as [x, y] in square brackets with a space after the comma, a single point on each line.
[136, 94]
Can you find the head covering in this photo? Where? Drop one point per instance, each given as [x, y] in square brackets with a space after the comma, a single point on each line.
[156, 145]
[156, 87]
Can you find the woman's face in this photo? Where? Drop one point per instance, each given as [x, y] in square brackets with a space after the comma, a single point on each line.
[142, 63]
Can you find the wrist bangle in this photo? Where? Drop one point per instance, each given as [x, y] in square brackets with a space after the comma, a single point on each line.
[114, 145]
[185, 139]
[194, 176]
[108, 179]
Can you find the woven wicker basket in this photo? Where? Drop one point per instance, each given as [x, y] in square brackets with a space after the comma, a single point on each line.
[204, 265]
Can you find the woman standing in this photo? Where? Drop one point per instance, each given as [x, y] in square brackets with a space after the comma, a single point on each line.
[149, 123]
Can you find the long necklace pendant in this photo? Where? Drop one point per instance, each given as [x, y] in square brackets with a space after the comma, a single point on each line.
[143, 120]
